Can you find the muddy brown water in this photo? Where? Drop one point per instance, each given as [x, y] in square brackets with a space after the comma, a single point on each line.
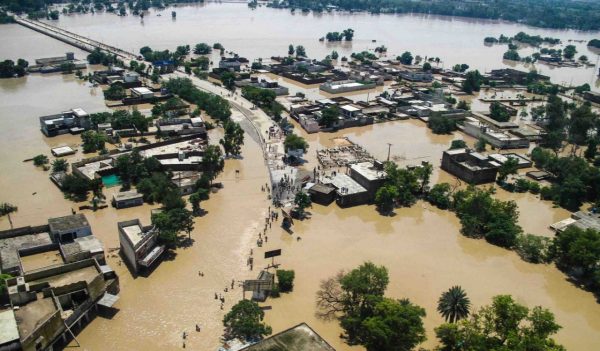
[266, 32]
[421, 246]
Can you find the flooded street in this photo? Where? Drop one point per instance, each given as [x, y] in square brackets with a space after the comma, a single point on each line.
[421, 246]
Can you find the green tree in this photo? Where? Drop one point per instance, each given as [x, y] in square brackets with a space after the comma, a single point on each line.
[291, 50]
[427, 67]
[285, 280]
[212, 161]
[228, 80]
[40, 160]
[507, 168]
[463, 105]
[92, 141]
[591, 150]
[454, 304]
[329, 116]
[569, 51]
[115, 92]
[244, 321]
[458, 144]
[75, 188]
[334, 55]
[441, 124]
[385, 198]
[202, 49]
[59, 165]
[439, 195]
[196, 198]
[499, 112]
[395, 325]
[480, 145]
[504, 325]
[472, 82]
[302, 202]
[295, 142]
[556, 122]
[5, 210]
[533, 248]
[406, 58]
[300, 51]
[582, 121]
[233, 138]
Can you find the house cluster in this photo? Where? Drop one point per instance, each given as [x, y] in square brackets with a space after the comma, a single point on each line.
[180, 155]
[396, 104]
[48, 302]
[117, 75]
[476, 168]
[68, 62]
[580, 219]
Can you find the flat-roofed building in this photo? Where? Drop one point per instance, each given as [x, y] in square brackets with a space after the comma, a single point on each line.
[124, 199]
[139, 244]
[472, 167]
[72, 121]
[370, 175]
[67, 228]
[142, 93]
[298, 338]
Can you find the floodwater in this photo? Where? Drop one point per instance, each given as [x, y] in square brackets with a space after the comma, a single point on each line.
[266, 32]
[421, 246]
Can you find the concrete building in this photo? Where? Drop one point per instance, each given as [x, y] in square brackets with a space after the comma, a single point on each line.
[73, 121]
[47, 303]
[416, 76]
[348, 191]
[139, 245]
[499, 138]
[370, 175]
[126, 199]
[472, 167]
[83, 248]
[142, 93]
[185, 181]
[581, 219]
[230, 63]
[68, 228]
[345, 86]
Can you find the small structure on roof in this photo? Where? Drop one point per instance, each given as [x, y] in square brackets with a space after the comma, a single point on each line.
[322, 194]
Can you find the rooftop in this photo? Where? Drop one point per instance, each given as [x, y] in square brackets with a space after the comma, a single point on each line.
[9, 248]
[126, 195]
[341, 180]
[298, 338]
[84, 244]
[368, 170]
[66, 223]
[8, 327]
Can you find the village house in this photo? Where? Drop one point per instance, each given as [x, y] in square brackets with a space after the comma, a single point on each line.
[68, 228]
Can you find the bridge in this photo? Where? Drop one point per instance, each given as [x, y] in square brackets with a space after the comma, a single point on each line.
[73, 39]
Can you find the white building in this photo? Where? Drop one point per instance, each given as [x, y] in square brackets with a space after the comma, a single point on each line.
[139, 245]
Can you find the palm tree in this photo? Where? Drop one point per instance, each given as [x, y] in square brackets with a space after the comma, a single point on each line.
[454, 304]
[6, 209]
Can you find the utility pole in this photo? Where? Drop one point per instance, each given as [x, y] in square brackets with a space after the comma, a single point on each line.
[389, 148]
